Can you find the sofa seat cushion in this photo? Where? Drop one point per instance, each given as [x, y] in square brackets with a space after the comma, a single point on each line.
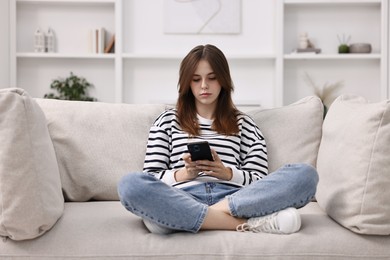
[31, 200]
[105, 230]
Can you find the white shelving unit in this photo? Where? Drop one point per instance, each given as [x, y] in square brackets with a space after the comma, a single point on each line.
[363, 20]
[144, 67]
[71, 21]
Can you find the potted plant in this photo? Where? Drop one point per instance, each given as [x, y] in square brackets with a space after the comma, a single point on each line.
[71, 88]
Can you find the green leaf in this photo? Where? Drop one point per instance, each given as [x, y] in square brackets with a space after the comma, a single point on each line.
[71, 88]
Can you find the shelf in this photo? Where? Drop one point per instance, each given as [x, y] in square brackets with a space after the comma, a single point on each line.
[161, 56]
[152, 56]
[65, 55]
[332, 2]
[92, 2]
[332, 56]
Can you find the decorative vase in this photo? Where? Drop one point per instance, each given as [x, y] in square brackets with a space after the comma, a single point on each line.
[360, 48]
[343, 48]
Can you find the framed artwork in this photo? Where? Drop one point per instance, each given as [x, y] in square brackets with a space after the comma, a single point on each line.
[202, 16]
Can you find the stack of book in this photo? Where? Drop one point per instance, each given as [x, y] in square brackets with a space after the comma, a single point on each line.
[97, 41]
[307, 51]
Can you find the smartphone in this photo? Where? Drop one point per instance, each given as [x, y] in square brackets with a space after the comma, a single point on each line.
[200, 151]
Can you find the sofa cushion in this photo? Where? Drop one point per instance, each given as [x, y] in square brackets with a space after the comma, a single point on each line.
[97, 143]
[292, 132]
[105, 230]
[31, 200]
[91, 169]
[354, 165]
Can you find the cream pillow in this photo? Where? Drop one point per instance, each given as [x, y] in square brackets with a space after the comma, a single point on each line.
[354, 165]
[292, 132]
[31, 199]
[97, 143]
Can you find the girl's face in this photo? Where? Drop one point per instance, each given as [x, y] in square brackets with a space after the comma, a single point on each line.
[205, 88]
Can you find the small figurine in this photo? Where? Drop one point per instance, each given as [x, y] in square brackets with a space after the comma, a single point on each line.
[305, 45]
[50, 41]
[39, 41]
[303, 41]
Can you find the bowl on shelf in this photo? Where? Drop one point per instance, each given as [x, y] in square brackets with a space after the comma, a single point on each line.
[360, 48]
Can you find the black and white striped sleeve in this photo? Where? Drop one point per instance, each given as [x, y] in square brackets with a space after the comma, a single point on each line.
[253, 154]
[158, 151]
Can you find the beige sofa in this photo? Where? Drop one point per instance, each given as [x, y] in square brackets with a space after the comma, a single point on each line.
[54, 151]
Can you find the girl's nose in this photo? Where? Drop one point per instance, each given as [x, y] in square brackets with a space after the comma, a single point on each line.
[204, 84]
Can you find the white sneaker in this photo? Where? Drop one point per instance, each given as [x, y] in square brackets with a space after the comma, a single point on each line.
[156, 229]
[286, 221]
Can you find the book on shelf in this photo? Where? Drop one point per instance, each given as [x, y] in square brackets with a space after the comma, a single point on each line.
[97, 41]
[110, 47]
[101, 40]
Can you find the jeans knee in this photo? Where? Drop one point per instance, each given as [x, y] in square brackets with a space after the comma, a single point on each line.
[130, 186]
[310, 173]
[303, 170]
[308, 177]
[304, 175]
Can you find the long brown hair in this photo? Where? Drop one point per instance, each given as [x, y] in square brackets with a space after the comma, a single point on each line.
[225, 118]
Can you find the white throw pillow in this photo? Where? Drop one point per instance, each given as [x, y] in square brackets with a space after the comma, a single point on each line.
[354, 165]
[292, 132]
[31, 199]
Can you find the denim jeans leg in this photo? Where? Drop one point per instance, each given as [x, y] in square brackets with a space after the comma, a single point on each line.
[150, 198]
[293, 185]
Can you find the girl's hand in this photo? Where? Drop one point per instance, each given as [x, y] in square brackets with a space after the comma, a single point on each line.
[189, 172]
[214, 168]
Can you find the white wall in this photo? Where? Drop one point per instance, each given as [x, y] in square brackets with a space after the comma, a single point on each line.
[154, 81]
[4, 44]
[144, 30]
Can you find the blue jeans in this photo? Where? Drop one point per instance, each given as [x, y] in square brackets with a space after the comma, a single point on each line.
[293, 185]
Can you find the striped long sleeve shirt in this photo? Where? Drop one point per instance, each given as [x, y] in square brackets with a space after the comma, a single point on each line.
[245, 152]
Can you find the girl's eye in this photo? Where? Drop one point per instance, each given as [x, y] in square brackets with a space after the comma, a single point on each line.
[212, 78]
[195, 80]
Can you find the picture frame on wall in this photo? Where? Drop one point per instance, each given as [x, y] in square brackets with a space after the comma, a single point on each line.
[202, 16]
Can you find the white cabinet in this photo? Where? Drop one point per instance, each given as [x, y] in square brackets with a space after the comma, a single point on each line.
[144, 67]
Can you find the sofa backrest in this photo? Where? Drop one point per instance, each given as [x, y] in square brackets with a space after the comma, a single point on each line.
[293, 133]
[97, 143]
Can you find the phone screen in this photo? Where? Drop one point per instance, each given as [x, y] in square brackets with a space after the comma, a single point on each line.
[200, 151]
